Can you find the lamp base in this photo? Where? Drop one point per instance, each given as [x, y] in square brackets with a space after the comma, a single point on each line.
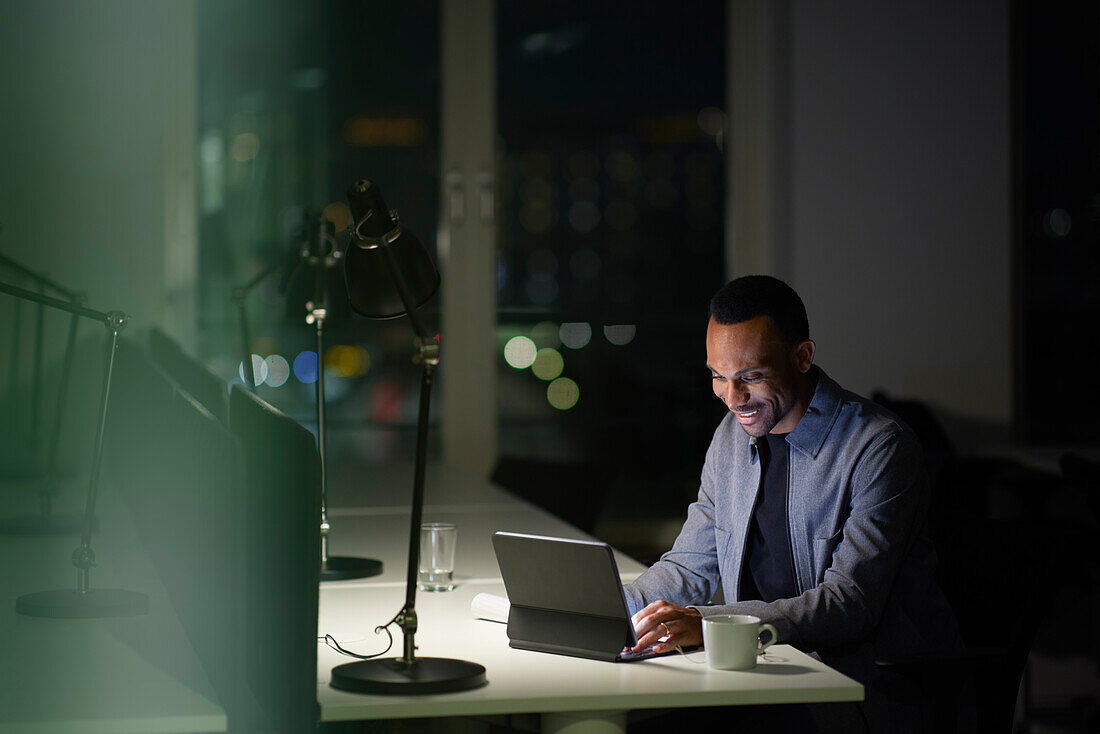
[392, 676]
[340, 568]
[71, 604]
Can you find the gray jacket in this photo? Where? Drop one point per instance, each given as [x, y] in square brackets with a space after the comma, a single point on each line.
[857, 517]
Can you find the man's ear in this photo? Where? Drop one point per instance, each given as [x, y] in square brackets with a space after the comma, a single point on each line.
[804, 355]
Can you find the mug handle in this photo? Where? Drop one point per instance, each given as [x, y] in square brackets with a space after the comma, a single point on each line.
[762, 646]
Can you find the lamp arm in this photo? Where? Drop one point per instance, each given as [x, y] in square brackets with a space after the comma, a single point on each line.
[38, 278]
[243, 290]
[407, 618]
[26, 295]
[84, 556]
[116, 323]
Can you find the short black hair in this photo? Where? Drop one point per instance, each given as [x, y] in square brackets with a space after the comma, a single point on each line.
[762, 295]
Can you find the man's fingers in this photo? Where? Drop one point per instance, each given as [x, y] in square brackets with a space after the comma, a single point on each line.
[663, 619]
[650, 625]
[647, 610]
[652, 630]
[647, 641]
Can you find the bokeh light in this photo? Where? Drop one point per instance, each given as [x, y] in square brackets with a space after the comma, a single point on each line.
[244, 147]
[520, 352]
[384, 131]
[1057, 222]
[545, 334]
[211, 148]
[259, 366]
[339, 214]
[347, 360]
[711, 121]
[305, 367]
[575, 335]
[386, 396]
[278, 370]
[563, 393]
[548, 364]
[620, 334]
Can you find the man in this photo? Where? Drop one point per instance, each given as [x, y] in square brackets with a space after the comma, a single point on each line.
[811, 511]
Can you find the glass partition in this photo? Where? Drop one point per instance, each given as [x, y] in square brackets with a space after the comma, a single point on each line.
[612, 132]
[297, 101]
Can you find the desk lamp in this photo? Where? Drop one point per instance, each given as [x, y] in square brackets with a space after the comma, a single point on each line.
[318, 249]
[85, 601]
[389, 273]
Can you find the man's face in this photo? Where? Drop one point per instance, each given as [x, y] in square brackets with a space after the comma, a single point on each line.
[757, 375]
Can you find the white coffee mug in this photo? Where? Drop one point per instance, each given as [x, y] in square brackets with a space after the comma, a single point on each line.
[732, 641]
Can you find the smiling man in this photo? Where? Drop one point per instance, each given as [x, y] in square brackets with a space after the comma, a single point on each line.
[811, 513]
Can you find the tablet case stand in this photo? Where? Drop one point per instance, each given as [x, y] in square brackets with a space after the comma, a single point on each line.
[565, 595]
[580, 635]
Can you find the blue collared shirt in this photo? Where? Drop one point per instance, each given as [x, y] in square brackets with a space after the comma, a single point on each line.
[857, 516]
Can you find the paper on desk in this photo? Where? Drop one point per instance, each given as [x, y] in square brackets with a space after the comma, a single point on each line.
[491, 607]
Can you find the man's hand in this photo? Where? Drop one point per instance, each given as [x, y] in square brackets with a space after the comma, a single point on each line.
[680, 626]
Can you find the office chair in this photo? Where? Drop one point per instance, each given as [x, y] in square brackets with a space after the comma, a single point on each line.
[229, 515]
[179, 470]
[996, 573]
[281, 571]
[1077, 512]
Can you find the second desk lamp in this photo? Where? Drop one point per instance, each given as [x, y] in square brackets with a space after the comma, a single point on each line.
[389, 273]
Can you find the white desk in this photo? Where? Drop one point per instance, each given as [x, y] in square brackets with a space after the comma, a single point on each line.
[569, 692]
[522, 681]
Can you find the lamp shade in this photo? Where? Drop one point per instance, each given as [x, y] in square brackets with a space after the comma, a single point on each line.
[377, 246]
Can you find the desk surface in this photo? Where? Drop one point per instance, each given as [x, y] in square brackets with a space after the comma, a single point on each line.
[520, 681]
